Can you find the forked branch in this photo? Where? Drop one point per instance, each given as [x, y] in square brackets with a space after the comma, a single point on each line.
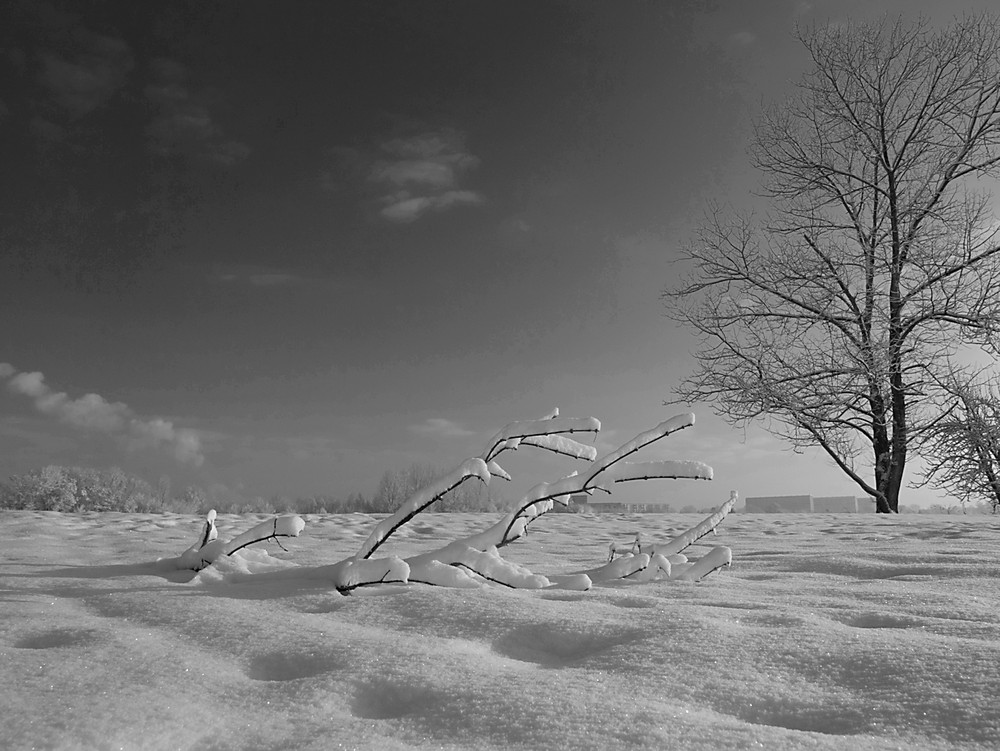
[475, 561]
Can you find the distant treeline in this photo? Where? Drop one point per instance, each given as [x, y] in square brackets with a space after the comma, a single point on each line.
[981, 507]
[69, 489]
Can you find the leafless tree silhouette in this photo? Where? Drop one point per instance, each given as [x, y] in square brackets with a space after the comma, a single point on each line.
[833, 316]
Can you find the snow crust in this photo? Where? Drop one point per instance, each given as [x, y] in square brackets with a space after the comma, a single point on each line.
[827, 632]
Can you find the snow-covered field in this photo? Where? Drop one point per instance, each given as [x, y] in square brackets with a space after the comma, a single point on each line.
[836, 632]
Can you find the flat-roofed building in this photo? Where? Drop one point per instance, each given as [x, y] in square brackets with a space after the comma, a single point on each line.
[597, 504]
[835, 504]
[806, 504]
[779, 504]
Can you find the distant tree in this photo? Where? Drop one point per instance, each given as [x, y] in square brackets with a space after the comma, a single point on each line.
[163, 486]
[397, 485]
[962, 452]
[312, 505]
[832, 316]
[109, 490]
[941, 508]
[468, 497]
[283, 504]
[51, 488]
[392, 490]
[194, 499]
[355, 502]
[985, 507]
[55, 488]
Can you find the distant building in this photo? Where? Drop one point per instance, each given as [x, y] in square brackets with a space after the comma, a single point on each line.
[836, 504]
[780, 504]
[604, 505]
[799, 504]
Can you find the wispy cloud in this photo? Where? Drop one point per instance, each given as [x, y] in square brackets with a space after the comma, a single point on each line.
[93, 412]
[256, 276]
[272, 280]
[442, 428]
[260, 280]
[423, 173]
[46, 130]
[405, 207]
[183, 123]
[75, 71]
[86, 72]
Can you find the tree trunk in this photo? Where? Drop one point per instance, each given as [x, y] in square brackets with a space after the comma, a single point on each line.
[883, 465]
[895, 481]
[890, 462]
[886, 501]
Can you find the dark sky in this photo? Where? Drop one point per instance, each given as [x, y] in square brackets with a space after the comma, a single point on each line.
[283, 247]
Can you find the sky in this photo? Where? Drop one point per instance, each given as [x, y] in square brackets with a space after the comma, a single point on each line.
[282, 248]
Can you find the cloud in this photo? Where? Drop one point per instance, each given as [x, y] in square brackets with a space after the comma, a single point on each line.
[272, 280]
[86, 73]
[183, 124]
[744, 38]
[46, 130]
[429, 174]
[75, 71]
[29, 384]
[423, 173]
[159, 433]
[256, 276]
[94, 413]
[442, 428]
[228, 153]
[90, 411]
[404, 207]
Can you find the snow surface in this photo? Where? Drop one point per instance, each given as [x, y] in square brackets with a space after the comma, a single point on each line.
[827, 632]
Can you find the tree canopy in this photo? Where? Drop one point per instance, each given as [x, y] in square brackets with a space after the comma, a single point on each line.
[835, 313]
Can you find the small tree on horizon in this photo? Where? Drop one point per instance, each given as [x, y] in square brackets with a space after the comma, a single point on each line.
[962, 453]
[396, 485]
[834, 316]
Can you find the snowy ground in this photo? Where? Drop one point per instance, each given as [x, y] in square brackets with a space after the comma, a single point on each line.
[883, 630]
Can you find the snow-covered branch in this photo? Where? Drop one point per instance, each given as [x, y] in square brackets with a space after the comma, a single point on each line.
[602, 473]
[210, 548]
[421, 500]
[475, 561]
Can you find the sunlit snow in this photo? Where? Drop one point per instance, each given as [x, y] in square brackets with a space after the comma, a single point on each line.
[853, 631]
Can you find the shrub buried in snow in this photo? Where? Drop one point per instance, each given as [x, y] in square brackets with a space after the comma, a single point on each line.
[476, 560]
[209, 548]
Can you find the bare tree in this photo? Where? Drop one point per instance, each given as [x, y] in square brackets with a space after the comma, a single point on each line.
[962, 453]
[829, 316]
